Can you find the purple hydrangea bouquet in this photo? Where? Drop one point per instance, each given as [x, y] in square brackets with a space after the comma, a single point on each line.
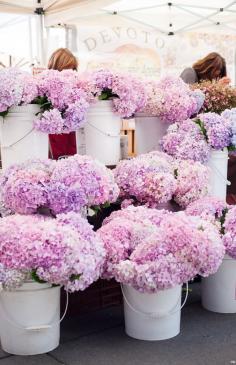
[80, 181]
[70, 184]
[62, 101]
[126, 92]
[220, 214]
[64, 251]
[17, 88]
[158, 254]
[155, 178]
[195, 138]
[172, 100]
[147, 179]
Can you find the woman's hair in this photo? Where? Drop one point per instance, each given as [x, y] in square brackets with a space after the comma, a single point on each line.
[62, 59]
[211, 67]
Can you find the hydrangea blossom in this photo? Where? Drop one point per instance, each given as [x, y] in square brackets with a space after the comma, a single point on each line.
[70, 184]
[230, 115]
[148, 179]
[229, 237]
[186, 141]
[209, 206]
[80, 181]
[124, 230]
[24, 187]
[127, 92]
[218, 130]
[63, 251]
[63, 102]
[192, 181]
[17, 88]
[160, 255]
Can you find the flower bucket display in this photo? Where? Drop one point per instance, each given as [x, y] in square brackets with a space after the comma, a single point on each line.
[39, 255]
[102, 133]
[218, 164]
[154, 316]
[30, 319]
[149, 130]
[18, 137]
[218, 290]
[152, 253]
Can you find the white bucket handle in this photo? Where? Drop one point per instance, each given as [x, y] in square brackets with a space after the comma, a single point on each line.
[104, 133]
[19, 140]
[226, 181]
[156, 315]
[37, 327]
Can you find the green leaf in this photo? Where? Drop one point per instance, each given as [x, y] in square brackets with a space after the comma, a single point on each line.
[3, 114]
[35, 277]
[75, 277]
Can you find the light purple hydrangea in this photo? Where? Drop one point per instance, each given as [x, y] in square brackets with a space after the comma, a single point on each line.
[51, 120]
[17, 88]
[218, 130]
[148, 179]
[170, 99]
[24, 186]
[193, 180]
[162, 255]
[229, 237]
[186, 141]
[209, 206]
[230, 115]
[80, 181]
[127, 92]
[63, 251]
[63, 102]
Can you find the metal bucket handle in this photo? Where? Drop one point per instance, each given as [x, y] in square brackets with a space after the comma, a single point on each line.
[102, 132]
[156, 315]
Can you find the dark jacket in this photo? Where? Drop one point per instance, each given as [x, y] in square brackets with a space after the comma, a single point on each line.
[189, 76]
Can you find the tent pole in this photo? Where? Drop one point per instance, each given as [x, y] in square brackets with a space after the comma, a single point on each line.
[39, 11]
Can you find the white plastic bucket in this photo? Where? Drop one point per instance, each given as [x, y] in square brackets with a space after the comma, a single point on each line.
[152, 317]
[219, 289]
[218, 164]
[30, 319]
[102, 133]
[148, 133]
[19, 140]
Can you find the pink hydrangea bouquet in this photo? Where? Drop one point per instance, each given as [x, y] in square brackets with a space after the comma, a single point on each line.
[24, 186]
[70, 184]
[229, 232]
[80, 181]
[193, 180]
[63, 251]
[63, 103]
[172, 100]
[147, 179]
[208, 207]
[161, 255]
[17, 88]
[222, 215]
[230, 115]
[155, 178]
[194, 138]
[126, 92]
[186, 141]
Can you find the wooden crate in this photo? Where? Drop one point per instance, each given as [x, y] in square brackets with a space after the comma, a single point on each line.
[128, 128]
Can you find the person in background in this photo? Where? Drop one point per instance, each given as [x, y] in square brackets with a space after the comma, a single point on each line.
[62, 144]
[211, 67]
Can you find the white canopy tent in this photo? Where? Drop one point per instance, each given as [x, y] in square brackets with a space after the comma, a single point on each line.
[172, 18]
